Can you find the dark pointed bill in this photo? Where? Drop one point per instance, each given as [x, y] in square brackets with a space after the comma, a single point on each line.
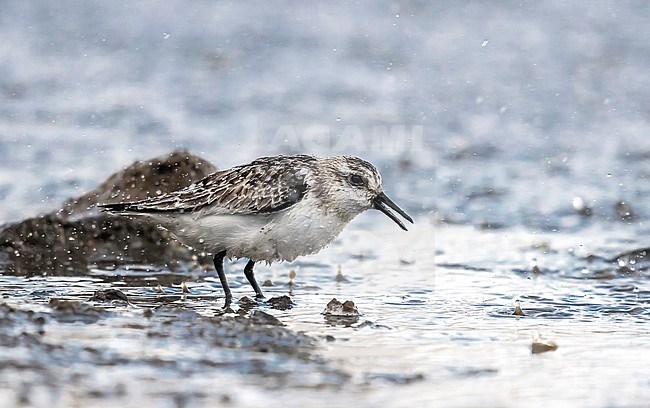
[385, 204]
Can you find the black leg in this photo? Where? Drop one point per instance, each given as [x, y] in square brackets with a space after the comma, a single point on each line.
[218, 265]
[248, 271]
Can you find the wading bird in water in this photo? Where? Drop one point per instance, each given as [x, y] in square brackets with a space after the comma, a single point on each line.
[273, 209]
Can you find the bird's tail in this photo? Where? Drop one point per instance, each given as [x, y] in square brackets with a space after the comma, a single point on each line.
[118, 207]
[133, 208]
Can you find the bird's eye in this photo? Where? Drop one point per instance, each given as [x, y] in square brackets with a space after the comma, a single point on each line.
[356, 180]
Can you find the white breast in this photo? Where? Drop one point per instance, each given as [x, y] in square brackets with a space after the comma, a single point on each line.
[304, 228]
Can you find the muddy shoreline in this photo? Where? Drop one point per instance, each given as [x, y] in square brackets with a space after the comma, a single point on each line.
[72, 240]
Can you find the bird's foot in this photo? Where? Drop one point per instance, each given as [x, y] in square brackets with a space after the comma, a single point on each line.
[227, 302]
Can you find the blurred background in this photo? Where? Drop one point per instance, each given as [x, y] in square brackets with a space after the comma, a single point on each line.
[499, 113]
[515, 132]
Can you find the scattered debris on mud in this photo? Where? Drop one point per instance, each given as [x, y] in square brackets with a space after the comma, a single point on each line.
[338, 309]
[109, 295]
[542, 346]
[518, 311]
[280, 302]
[46, 350]
[341, 314]
[76, 239]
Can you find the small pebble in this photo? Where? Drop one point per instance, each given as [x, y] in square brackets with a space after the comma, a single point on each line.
[542, 346]
[518, 311]
[336, 308]
[108, 295]
[280, 302]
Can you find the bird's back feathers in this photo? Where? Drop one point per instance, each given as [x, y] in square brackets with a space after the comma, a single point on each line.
[246, 189]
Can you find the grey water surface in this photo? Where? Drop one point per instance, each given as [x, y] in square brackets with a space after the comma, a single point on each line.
[515, 133]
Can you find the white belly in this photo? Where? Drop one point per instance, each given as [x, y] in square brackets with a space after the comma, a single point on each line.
[302, 229]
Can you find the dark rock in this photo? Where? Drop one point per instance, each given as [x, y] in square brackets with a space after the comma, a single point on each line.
[141, 180]
[371, 325]
[394, 378]
[260, 317]
[518, 311]
[341, 314]
[336, 308]
[109, 295]
[247, 302]
[542, 346]
[280, 302]
[66, 241]
[70, 311]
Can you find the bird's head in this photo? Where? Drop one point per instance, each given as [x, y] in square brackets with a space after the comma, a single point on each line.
[356, 187]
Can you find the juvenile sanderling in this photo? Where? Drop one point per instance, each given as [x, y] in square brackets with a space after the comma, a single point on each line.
[273, 209]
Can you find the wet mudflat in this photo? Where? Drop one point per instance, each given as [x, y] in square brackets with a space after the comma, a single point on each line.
[516, 135]
[430, 328]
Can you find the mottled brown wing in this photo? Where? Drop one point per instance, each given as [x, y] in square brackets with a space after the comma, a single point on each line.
[264, 186]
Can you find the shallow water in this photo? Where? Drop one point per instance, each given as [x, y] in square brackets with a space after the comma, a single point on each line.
[427, 333]
[518, 141]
